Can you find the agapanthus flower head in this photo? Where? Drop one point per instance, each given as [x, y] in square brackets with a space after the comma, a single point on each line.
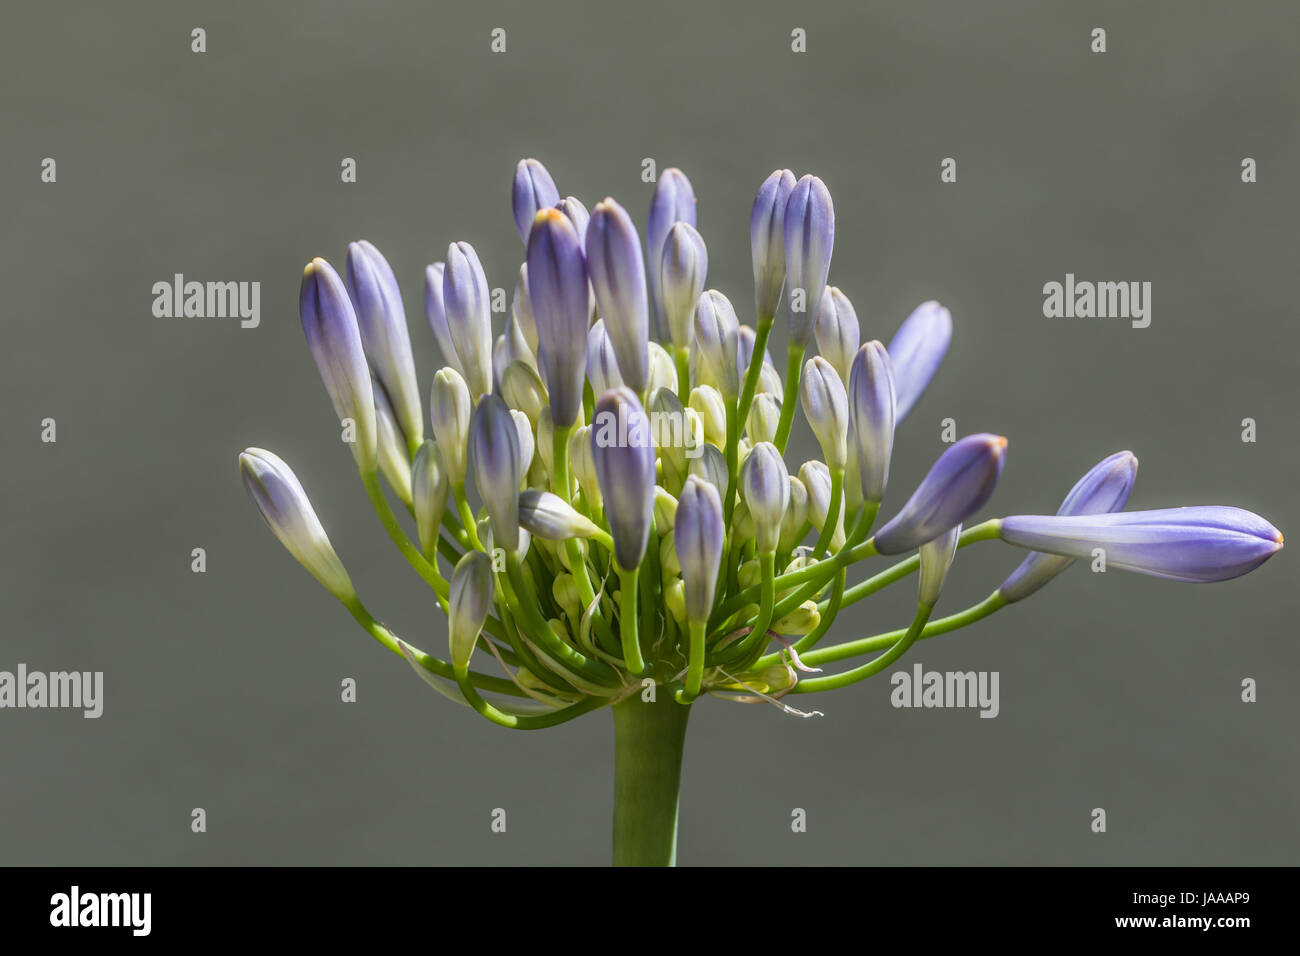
[631, 516]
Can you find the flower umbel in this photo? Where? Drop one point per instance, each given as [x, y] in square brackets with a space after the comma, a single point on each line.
[600, 515]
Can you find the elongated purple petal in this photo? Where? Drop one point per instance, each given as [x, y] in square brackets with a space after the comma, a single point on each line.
[330, 325]
[469, 315]
[957, 486]
[673, 201]
[826, 406]
[717, 337]
[698, 539]
[436, 312]
[602, 363]
[767, 240]
[494, 457]
[765, 485]
[618, 279]
[837, 332]
[1200, 544]
[533, 191]
[809, 240]
[559, 291]
[622, 450]
[1105, 488]
[871, 418]
[916, 350]
[683, 270]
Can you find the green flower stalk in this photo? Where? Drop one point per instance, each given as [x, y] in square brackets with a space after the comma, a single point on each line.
[639, 543]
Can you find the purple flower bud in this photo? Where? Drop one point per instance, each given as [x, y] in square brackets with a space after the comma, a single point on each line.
[745, 350]
[578, 217]
[767, 240]
[527, 443]
[837, 330]
[436, 312]
[711, 466]
[764, 418]
[330, 325]
[624, 455]
[1102, 490]
[816, 479]
[936, 558]
[958, 485]
[429, 490]
[1180, 544]
[618, 280]
[284, 506]
[673, 201]
[826, 406]
[683, 269]
[809, 239]
[494, 456]
[698, 540]
[467, 300]
[871, 418]
[449, 409]
[472, 593]
[602, 364]
[381, 320]
[533, 191]
[916, 350]
[551, 517]
[717, 338]
[557, 284]
[765, 485]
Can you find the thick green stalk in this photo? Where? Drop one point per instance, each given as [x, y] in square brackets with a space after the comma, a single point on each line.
[648, 741]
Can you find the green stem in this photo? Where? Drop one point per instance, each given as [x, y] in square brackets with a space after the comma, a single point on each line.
[793, 368]
[627, 622]
[871, 668]
[648, 741]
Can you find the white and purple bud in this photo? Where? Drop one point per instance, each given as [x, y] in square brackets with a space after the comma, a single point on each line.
[533, 191]
[618, 278]
[765, 486]
[916, 351]
[826, 406]
[284, 506]
[494, 455]
[871, 419]
[809, 240]
[767, 240]
[523, 389]
[717, 339]
[683, 269]
[764, 417]
[390, 444]
[558, 288]
[527, 443]
[472, 592]
[936, 558]
[708, 405]
[467, 301]
[816, 478]
[698, 537]
[550, 517]
[602, 363]
[673, 201]
[578, 217]
[381, 320]
[521, 309]
[330, 325]
[957, 486]
[663, 371]
[583, 466]
[1104, 489]
[837, 330]
[624, 457]
[436, 312]
[449, 409]
[711, 465]
[429, 491]
[796, 515]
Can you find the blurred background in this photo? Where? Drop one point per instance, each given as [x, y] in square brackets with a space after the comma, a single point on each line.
[222, 689]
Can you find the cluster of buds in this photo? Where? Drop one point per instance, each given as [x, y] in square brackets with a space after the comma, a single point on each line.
[594, 508]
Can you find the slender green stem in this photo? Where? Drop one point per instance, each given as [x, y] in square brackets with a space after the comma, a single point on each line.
[695, 662]
[871, 668]
[866, 645]
[758, 636]
[682, 359]
[790, 398]
[409, 551]
[526, 721]
[832, 513]
[627, 622]
[648, 741]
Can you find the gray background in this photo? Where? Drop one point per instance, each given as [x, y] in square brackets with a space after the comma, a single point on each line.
[222, 689]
